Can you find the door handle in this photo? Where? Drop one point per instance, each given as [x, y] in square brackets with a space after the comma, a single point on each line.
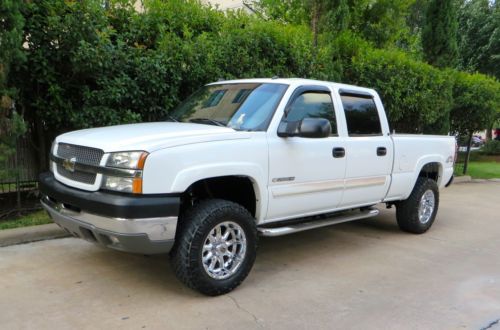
[338, 152]
[381, 151]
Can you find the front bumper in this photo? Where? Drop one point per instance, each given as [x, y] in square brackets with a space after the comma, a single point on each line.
[113, 220]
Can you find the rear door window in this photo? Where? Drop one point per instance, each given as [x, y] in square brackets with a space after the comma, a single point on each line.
[361, 115]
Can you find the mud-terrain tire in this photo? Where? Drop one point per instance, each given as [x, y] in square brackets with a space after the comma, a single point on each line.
[215, 246]
[417, 213]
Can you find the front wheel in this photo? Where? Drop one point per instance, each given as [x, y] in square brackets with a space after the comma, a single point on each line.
[417, 213]
[216, 246]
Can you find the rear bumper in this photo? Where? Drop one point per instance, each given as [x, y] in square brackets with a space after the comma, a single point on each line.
[112, 220]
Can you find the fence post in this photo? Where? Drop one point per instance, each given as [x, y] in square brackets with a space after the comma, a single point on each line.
[18, 188]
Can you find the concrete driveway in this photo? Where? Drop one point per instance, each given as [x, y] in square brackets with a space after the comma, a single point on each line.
[361, 275]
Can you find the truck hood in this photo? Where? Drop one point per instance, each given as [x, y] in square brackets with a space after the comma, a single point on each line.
[149, 136]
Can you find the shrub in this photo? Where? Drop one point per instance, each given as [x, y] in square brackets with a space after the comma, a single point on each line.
[491, 148]
[476, 102]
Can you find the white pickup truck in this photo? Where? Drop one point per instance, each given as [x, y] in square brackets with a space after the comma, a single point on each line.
[236, 160]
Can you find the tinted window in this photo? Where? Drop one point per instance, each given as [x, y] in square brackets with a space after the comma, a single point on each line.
[241, 106]
[313, 105]
[361, 115]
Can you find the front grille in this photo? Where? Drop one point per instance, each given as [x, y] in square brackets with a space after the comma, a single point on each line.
[83, 177]
[83, 155]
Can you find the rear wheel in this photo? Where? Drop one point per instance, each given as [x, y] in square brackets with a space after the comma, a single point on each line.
[417, 213]
[216, 246]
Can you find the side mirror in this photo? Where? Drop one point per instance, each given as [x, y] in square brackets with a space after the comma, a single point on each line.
[307, 128]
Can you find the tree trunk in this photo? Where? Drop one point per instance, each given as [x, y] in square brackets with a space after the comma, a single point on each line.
[489, 134]
[314, 22]
[467, 155]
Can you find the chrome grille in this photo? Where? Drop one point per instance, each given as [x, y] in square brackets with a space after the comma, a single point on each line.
[83, 155]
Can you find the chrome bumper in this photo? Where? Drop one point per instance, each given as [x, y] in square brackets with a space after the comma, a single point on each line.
[143, 235]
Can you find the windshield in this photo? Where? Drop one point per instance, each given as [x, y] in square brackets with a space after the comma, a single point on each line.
[241, 106]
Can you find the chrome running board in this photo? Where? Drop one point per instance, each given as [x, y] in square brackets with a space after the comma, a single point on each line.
[312, 224]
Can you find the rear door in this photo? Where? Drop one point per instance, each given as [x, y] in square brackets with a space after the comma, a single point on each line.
[369, 149]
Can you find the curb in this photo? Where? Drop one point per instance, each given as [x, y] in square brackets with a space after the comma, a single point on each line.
[462, 179]
[467, 178]
[31, 234]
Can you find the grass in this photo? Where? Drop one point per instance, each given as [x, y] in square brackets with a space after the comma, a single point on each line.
[484, 170]
[32, 219]
[480, 166]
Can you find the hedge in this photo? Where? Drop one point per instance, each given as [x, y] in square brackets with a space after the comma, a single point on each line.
[93, 66]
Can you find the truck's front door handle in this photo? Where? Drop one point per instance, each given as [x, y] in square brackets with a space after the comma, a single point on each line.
[381, 151]
[338, 152]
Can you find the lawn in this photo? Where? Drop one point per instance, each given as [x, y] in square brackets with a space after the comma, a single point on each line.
[480, 166]
[484, 170]
[32, 219]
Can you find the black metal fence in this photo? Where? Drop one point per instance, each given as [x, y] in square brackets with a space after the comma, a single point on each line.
[22, 168]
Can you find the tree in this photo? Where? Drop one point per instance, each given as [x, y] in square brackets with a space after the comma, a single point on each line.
[382, 22]
[11, 54]
[476, 103]
[479, 37]
[439, 35]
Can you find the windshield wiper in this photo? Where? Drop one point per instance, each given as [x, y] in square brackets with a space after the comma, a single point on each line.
[208, 121]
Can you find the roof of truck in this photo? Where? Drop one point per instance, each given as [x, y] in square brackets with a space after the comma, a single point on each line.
[298, 82]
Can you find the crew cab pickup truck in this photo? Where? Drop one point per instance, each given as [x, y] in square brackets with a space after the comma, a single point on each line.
[238, 160]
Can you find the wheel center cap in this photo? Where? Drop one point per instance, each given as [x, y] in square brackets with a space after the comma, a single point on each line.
[221, 248]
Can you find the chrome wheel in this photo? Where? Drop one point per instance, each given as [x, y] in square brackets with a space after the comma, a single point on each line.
[224, 250]
[426, 207]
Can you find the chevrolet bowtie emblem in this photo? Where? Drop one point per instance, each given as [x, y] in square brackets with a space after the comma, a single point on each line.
[69, 164]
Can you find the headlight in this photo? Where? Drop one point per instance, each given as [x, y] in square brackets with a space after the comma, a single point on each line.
[119, 184]
[133, 160]
[129, 160]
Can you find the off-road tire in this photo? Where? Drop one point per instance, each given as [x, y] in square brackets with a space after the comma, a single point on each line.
[407, 211]
[194, 226]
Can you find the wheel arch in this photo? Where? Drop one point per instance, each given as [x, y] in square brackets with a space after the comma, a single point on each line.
[431, 167]
[241, 189]
[250, 173]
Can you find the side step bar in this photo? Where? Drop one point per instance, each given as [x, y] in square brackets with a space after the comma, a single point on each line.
[295, 228]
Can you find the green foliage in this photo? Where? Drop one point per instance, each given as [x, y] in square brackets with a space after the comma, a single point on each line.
[11, 55]
[479, 36]
[382, 22]
[491, 148]
[476, 102]
[93, 66]
[11, 36]
[439, 35]
[416, 96]
[32, 219]
[11, 127]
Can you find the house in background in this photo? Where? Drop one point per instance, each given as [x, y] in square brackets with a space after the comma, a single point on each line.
[246, 5]
[224, 5]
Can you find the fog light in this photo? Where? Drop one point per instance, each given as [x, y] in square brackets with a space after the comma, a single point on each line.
[114, 239]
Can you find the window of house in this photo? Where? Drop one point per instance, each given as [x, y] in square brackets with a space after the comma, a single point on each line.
[214, 98]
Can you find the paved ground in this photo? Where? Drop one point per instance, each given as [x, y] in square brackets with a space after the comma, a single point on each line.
[364, 275]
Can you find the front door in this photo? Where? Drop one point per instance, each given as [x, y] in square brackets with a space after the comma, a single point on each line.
[306, 174]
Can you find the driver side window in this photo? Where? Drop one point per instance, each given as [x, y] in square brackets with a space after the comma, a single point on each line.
[313, 105]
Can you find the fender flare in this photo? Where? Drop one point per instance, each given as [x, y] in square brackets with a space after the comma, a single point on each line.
[191, 175]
